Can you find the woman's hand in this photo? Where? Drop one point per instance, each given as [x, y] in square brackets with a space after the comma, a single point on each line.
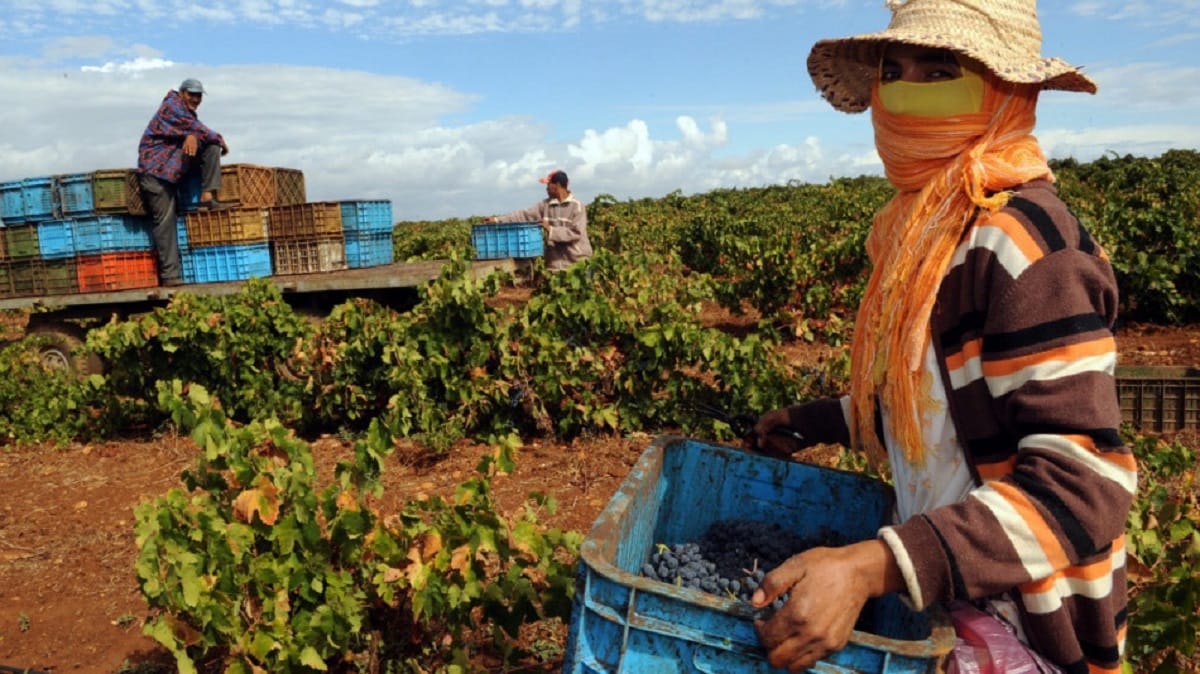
[784, 431]
[774, 435]
[827, 589]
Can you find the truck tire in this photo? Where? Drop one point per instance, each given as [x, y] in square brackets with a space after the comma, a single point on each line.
[63, 350]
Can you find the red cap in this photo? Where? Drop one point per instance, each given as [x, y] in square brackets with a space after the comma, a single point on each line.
[555, 176]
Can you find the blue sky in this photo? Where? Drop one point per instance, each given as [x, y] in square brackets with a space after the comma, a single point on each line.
[454, 109]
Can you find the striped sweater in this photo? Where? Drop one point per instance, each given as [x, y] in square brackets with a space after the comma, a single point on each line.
[1023, 333]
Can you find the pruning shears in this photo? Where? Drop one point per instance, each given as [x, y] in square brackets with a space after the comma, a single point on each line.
[742, 425]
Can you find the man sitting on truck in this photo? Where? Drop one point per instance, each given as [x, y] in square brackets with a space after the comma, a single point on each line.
[175, 144]
[563, 219]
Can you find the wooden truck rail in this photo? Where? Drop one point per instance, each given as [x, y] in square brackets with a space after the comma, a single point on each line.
[64, 319]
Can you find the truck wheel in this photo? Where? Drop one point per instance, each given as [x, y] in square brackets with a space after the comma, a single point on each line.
[63, 350]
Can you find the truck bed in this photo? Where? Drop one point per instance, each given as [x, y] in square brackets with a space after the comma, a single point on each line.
[347, 281]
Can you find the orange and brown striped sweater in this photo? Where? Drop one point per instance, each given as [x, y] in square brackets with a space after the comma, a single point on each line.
[1023, 333]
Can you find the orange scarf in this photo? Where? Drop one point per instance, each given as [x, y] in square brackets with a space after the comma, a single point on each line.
[945, 170]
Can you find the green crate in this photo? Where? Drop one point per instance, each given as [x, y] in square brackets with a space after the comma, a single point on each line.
[26, 277]
[118, 191]
[21, 241]
[59, 277]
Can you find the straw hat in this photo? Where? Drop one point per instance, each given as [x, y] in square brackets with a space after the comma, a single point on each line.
[1004, 35]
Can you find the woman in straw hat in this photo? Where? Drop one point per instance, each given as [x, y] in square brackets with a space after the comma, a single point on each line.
[981, 367]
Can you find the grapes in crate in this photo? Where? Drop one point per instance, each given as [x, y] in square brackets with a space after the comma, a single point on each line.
[731, 558]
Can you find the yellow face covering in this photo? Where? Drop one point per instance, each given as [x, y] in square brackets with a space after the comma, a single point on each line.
[960, 96]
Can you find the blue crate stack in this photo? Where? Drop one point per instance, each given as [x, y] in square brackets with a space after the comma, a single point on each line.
[368, 227]
[50, 222]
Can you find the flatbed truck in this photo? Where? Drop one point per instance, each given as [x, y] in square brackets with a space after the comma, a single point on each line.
[63, 320]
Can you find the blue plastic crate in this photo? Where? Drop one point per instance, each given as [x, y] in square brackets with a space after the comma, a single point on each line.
[507, 239]
[233, 262]
[38, 197]
[624, 622]
[112, 234]
[12, 206]
[56, 239]
[75, 194]
[181, 233]
[362, 216]
[188, 192]
[369, 249]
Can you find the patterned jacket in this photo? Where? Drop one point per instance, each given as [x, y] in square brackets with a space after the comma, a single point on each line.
[160, 152]
[1023, 333]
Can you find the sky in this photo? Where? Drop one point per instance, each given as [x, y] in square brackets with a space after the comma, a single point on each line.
[455, 109]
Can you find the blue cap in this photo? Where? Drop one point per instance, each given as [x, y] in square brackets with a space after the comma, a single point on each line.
[193, 85]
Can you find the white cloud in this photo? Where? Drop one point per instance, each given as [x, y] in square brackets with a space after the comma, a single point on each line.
[1141, 140]
[1149, 86]
[407, 19]
[137, 65]
[360, 135]
[73, 103]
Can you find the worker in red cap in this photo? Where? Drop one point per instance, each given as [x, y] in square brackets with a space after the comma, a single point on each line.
[563, 219]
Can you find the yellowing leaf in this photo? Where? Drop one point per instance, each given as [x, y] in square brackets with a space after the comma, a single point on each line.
[431, 545]
[263, 502]
[347, 501]
[461, 558]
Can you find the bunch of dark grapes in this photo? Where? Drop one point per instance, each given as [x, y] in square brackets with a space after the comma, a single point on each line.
[730, 559]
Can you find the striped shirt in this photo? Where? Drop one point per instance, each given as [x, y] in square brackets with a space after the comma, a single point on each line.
[1022, 330]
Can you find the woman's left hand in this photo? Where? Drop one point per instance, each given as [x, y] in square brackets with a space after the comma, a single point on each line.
[827, 589]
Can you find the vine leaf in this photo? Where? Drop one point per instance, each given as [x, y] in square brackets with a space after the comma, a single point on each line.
[263, 502]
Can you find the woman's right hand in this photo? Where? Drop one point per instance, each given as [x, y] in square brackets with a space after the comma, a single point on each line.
[774, 435]
[787, 430]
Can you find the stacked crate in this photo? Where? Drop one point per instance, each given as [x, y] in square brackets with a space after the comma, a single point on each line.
[289, 186]
[368, 228]
[57, 241]
[225, 245]
[116, 252]
[242, 186]
[91, 232]
[307, 238]
[118, 191]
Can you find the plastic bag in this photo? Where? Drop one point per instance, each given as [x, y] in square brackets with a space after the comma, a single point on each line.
[987, 645]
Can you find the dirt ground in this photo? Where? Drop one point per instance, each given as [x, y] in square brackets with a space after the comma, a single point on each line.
[69, 599]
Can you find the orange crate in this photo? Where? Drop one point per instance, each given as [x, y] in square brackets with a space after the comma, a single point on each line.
[247, 185]
[289, 186]
[117, 271]
[319, 220]
[306, 256]
[230, 225]
[117, 191]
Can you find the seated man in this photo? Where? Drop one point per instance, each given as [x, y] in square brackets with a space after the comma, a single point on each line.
[174, 144]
